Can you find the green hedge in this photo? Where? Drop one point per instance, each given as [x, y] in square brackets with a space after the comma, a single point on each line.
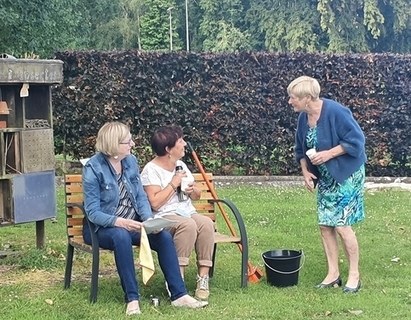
[233, 107]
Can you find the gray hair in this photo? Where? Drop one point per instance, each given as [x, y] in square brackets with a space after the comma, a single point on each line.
[304, 86]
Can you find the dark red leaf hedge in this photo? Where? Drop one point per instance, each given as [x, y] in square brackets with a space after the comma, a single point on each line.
[233, 107]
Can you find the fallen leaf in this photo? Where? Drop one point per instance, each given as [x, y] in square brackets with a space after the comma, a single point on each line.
[356, 312]
[327, 313]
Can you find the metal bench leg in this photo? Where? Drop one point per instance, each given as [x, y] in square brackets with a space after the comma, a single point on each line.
[94, 275]
[211, 272]
[69, 266]
[244, 260]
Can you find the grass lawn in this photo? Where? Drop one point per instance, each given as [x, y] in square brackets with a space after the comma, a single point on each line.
[31, 283]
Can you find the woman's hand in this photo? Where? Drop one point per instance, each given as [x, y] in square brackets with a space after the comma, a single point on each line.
[176, 180]
[190, 189]
[309, 180]
[128, 224]
[321, 157]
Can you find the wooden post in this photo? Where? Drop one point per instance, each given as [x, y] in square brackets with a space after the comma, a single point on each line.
[40, 235]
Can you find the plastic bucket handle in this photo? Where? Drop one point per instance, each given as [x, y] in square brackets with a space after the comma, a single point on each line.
[285, 272]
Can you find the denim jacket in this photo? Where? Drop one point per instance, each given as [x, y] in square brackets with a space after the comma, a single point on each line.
[101, 192]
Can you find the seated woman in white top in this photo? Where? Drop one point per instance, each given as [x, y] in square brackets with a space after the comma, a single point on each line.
[161, 182]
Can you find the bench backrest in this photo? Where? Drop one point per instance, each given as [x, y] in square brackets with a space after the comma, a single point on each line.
[74, 196]
[73, 189]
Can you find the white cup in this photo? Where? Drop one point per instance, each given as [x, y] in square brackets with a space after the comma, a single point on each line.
[185, 181]
[311, 152]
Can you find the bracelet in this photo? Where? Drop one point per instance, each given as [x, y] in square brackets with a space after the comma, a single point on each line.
[173, 186]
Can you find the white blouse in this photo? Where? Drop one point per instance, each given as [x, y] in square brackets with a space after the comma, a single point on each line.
[154, 175]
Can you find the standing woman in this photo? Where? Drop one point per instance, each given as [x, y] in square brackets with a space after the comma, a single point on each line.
[336, 168]
[193, 230]
[115, 202]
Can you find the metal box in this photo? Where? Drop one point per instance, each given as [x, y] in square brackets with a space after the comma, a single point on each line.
[28, 197]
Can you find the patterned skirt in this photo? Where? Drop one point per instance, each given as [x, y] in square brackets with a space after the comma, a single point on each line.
[340, 204]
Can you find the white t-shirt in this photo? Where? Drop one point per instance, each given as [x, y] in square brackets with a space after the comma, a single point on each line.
[154, 175]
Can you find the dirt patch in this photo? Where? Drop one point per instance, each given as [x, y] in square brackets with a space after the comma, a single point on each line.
[41, 279]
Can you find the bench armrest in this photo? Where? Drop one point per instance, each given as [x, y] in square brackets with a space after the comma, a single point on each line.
[237, 215]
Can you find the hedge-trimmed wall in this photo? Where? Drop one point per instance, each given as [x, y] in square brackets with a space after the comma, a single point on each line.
[233, 107]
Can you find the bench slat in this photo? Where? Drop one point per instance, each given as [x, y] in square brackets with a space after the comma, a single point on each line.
[76, 198]
[73, 232]
[73, 178]
[71, 222]
[74, 211]
[74, 188]
[222, 238]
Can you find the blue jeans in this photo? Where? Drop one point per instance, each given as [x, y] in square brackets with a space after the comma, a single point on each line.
[120, 241]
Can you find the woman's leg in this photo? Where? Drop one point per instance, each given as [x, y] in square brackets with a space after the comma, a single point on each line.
[330, 244]
[350, 245]
[162, 243]
[204, 244]
[119, 240]
[204, 247]
[184, 234]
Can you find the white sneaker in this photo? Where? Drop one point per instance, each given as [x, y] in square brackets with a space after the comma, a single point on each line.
[188, 302]
[202, 291]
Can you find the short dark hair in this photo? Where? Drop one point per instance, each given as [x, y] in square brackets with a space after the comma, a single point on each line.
[166, 136]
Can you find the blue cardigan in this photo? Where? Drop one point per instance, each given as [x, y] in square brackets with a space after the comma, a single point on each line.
[335, 126]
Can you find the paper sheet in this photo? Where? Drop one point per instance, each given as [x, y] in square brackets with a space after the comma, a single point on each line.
[154, 224]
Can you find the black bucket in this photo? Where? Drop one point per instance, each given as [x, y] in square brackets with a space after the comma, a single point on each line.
[282, 267]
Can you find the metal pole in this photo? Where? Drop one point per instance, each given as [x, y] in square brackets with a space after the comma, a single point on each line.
[187, 38]
[171, 29]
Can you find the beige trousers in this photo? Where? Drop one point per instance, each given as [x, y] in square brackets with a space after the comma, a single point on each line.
[196, 233]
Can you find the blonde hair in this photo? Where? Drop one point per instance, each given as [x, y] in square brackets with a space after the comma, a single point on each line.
[304, 86]
[109, 136]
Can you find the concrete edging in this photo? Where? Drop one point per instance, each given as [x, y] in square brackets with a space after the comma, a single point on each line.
[371, 182]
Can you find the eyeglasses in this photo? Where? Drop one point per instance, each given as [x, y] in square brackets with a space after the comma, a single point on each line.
[129, 142]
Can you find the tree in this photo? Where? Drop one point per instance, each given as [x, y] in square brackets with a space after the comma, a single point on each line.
[285, 27]
[222, 26]
[40, 27]
[155, 26]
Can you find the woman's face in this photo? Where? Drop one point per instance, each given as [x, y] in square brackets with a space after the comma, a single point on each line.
[125, 146]
[299, 104]
[178, 151]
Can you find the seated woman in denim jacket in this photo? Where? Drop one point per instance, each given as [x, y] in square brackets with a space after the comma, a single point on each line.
[115, 202]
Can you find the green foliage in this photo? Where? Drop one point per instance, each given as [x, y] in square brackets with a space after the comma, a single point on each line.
[229, 38]
[221, 26]
[155, 25]
[216, 26]
[41, 26]
[286, 27]
[373, 18]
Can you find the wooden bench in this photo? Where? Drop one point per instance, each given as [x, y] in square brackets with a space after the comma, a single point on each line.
[206, 205]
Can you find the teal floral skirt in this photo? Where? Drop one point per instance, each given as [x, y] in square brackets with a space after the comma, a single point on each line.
[340, 204]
